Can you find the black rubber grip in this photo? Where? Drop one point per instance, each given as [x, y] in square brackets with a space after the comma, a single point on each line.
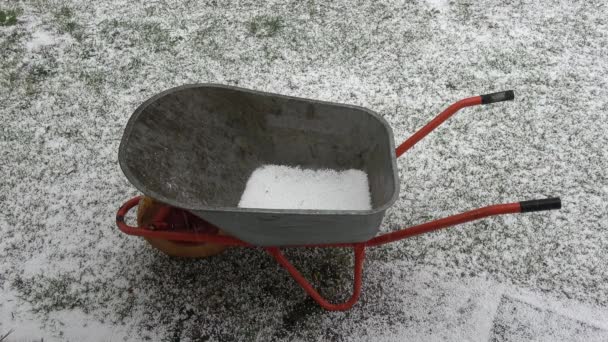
[508, 95]
[540, 205]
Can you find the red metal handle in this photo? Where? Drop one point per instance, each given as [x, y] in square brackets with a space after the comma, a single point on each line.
[122, 212]
[359, 248]
[171, 235]
[448, 112]
[476, 214]
[472, 215]
[359, 251]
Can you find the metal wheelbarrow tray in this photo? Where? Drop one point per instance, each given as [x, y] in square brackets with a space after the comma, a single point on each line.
[194, 147]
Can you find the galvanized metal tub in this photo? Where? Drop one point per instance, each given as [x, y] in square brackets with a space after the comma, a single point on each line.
[195, 146]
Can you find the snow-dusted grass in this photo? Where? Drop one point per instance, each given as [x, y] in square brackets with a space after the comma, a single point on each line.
[285, 187]
[72, 72]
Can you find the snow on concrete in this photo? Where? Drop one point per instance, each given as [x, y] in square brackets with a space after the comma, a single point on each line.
[286, 187]
[63, 108]
[516, 320]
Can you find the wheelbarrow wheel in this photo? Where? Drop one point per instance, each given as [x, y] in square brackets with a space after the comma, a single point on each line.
[147, 212]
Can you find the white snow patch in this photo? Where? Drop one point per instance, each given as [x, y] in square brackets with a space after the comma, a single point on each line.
[40, 39]
[285, 187]
[83, 328]
[436, 307]
[36, 265]
[438, 4]
[65, 325]
[574, 310]
[16, 318]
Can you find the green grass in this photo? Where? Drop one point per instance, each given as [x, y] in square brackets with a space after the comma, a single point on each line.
[156, 36]
[8, 17]
[265, 26]
[135, 33]
[65, 21]
[10, 58]
[50, 294]
[94, 79]
[311, 7]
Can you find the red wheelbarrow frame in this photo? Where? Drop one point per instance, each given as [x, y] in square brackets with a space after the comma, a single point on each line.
[358, 248]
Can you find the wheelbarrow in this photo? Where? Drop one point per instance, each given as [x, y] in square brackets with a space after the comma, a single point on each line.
[191, 149]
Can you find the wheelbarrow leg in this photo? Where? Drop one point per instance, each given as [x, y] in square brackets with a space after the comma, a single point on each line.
[359, 250]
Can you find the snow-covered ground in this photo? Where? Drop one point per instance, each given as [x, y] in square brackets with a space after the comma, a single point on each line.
[72, 72]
